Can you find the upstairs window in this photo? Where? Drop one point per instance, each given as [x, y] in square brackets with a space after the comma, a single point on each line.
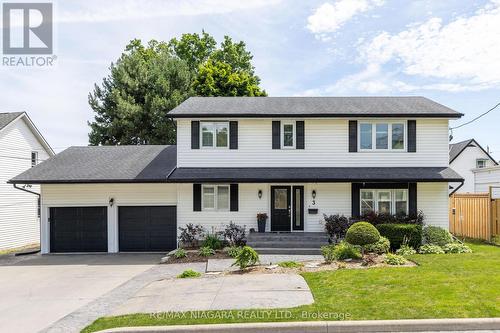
[382, 136]
[481, 163]
[34, 158]
[391, 201]
[288, 137]
[214, 134]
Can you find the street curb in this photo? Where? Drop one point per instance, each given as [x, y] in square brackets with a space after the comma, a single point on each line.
[410, 325]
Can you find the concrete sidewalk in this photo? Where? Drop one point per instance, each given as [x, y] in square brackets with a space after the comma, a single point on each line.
[411, 325]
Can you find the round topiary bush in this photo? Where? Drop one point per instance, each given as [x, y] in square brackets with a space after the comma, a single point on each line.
[362, 233]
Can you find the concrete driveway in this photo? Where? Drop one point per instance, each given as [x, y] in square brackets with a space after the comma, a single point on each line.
[39, 290]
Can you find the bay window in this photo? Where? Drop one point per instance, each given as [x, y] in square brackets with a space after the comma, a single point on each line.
[386, 201]
[381, 136]
[215, 197]
[214, 134]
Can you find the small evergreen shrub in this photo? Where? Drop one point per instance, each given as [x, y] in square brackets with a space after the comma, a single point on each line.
[343, 251]
[394, 259]
[399, 234]
[190, 235]
[430, 249]
[188, 273]
[436, 236]
[382, 246]
[290, 264]
[206, 251]
[362, 233]
[212, 241]
[234, 234]
[405, 250]
[327, 252]
[336, 226]
[180, 253]
[247, 257]
[233, 251]
[456, 248]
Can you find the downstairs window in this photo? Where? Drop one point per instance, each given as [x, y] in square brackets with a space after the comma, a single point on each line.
[386, 201]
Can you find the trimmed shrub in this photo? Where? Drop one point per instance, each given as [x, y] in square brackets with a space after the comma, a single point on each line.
[436, 236]
[212, 241]
[233, 251]
[456, 248]
[430, 249]
[180, 253]
[206, 251]
[405, 250]
[362, 233]
[234, 234]
[394, 259]
[290, 264]
[336, 226]
[398, 234]
[382, 246]
[341, 251]
[188, 273]
[383, 218]
[247, 257]
[190, 235]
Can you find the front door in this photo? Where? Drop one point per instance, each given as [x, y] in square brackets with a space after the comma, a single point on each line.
[280, 208]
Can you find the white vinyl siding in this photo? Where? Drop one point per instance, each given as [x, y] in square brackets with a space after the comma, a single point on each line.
[433, 200]
[486, 177]
[326, 146]
[19, 223]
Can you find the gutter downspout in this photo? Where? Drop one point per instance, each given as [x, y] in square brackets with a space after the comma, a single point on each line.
[458, 188]
[39, 203]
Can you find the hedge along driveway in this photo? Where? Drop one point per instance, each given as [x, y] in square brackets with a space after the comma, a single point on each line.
[442, 286]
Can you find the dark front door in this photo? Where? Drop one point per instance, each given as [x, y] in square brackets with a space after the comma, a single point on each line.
[147, 228]
[298, 208]
[280, 208]
[78, 229]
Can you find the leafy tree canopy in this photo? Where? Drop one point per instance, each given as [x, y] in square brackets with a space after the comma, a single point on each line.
[148, 81]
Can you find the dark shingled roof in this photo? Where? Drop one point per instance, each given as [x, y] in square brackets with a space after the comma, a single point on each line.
[364, 174]
[8, 117]
[104, 164]
[405, 106]
[457, 148]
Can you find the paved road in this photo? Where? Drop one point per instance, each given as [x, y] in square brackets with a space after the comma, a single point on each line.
[36, 291]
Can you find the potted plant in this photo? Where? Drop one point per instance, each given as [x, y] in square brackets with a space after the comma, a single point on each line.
[261, 222]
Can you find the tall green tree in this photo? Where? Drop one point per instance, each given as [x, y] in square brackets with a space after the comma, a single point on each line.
[132, 104]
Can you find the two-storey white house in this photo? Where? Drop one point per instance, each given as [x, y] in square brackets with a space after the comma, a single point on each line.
[21, 147]
[293, 158]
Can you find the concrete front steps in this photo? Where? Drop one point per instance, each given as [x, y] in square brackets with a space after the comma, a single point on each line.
[306, 243]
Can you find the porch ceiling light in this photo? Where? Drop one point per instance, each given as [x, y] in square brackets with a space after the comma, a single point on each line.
[259, 194]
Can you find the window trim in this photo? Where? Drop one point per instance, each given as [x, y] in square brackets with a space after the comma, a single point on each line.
[389, 136]
[35, 161]
[294, 133]
[214, 134]
[376, 198]
[216, 197]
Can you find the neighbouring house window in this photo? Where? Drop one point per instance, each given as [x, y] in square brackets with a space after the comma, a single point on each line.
[34, 158]
[214, 135]
[384, 201]
[215, 197]
[481, 163]
[288, 135]
[381, 136]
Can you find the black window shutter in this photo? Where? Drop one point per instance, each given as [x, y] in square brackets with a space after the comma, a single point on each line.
[300, 135]
[412, 198]
[355, 192]
[195, 135]
[233, 135]
[197, 197]
[233, 206]
[276, 134]
[412, 136]
[353, 136]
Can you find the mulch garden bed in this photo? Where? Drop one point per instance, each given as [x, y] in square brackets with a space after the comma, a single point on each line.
[193, 256]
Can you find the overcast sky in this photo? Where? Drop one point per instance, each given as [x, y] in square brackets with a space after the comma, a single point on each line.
[448, 51]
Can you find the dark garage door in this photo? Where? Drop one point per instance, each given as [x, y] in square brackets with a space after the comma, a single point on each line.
[147, 228]
[78, 229]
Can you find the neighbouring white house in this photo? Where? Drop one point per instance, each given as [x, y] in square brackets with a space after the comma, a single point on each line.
[21, 147]
[484, 178]
[293, 158]
[465, 157]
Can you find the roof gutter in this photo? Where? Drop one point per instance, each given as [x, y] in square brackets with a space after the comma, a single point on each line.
[458, 188]
[25, 190]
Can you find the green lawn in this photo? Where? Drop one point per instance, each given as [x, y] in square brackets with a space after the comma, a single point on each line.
[442, 286]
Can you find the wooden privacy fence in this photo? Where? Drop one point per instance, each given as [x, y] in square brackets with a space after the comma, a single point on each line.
[474, 215]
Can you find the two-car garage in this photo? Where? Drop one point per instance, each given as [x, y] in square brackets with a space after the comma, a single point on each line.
[85, 229]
